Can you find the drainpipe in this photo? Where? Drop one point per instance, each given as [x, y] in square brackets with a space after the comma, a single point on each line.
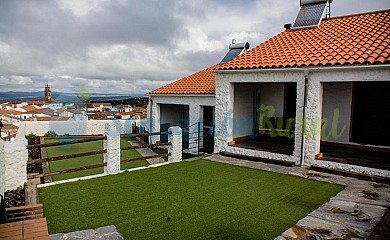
[306, 72]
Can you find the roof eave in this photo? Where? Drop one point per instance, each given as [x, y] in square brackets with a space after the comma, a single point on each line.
[180, 94]
[312, 69]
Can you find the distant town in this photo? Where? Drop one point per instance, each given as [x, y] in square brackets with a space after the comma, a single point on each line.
[82, 109]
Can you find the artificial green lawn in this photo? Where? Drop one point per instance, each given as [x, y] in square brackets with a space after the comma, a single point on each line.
[187, 200]
[88, 160]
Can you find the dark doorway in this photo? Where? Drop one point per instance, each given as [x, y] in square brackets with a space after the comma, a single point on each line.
[290, 100]
[371, 113]
[208, 129]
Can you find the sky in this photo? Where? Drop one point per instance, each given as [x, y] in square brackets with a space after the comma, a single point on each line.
[133, 46]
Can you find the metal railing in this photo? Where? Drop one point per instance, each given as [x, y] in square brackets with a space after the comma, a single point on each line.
[197, 143]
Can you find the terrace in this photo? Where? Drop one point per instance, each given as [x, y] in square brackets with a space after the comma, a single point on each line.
[207, 199]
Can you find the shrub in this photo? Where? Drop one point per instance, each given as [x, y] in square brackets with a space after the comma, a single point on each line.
[31, 136]
[50, 134]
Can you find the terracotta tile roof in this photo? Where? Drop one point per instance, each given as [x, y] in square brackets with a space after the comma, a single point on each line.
[7, 127]
[349, 40]
[30, 108]
[101, 104]
[202, 82]
[355, 39]
[10, 112]
[126, 113]
[52, 118]
[38, 103]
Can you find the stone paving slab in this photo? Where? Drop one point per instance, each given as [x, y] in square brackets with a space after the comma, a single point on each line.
[103, 233]
[146, 152]
[351, 214]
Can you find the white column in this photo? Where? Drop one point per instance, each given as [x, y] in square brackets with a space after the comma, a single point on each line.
[175, 149]
[15, 156]
[154, 119]
[194, 113]
[113, 155]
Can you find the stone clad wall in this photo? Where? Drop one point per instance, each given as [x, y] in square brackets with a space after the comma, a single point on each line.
[90, 127]
[14, 157]
[2, 168]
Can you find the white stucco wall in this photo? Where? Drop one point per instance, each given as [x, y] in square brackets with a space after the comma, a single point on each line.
[169, 113]
[337, 96]
[270, 94]
[89, 127]
[243, 110]
[195, 103]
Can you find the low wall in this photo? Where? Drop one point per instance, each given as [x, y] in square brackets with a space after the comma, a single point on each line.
[90, 127]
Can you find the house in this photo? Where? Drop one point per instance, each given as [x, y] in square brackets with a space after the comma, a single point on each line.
[124, 108]
[107, 115]
[100, 107]
[8, 130]
[55, 105]
[74, 114]
[332, 81]
[10, 113]
[189, 103]
[126, 115]
[34, 111]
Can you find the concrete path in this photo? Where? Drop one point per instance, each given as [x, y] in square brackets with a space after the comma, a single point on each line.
[108, 232]
[146, 152]
[351, 214]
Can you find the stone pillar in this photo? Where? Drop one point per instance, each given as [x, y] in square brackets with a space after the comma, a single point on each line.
[299, 119]
[224, 102]
[313, 121]
[175, 149]
[113, 155]
[15, 156]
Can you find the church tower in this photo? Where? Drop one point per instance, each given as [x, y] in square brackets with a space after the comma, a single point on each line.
[47, 94]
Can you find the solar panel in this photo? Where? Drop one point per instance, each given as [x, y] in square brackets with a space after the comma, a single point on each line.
[235, 50]
[310, 15]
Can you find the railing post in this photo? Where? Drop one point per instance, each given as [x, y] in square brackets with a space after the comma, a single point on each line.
[175, 149]
[113, 155]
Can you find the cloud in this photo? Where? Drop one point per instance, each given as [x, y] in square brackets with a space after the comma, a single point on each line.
[132, 46]
[15, 80]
